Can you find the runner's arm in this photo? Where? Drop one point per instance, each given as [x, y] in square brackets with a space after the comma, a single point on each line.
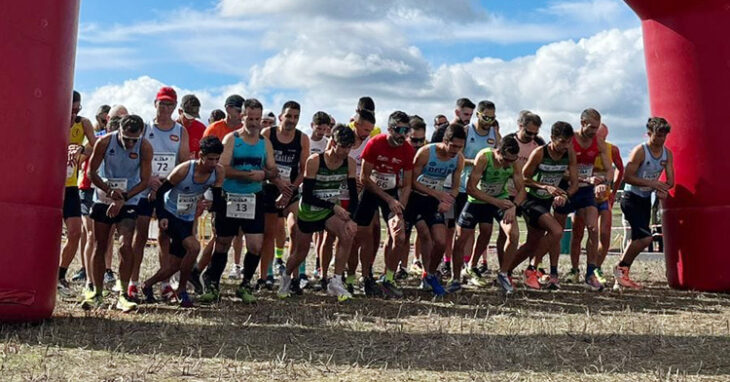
[528, 170]
[630, 175]
[618, 175]
[606, 159]
[456, 177]
[352, 185]
[310, 173]
[176, 176]
[669, 170]
[572, 173]
[302, 160]
[97, 157]
[184, 151]
[145, 169]
[519, 182]
[405, 192]
[90, 136]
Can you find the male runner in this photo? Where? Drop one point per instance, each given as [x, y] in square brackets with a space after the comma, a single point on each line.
[587, 147]
[291, 149]
[430, 199]
[317, 144]
[488, 200]
[543, 173]
[169, 142]
[188, 114]
[80, 128]
[248, 160]
[646, 164]
[382, 161]
[120, 169]
[177, 205]
[321, 208]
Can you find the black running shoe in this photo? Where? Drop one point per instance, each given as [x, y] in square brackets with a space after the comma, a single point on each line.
[371, 288]
[195, 281]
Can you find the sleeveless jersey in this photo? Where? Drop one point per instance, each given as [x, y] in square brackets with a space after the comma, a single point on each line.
[76, 137]
[121, 169]
[182, 200]
[600, 169]
[651, 169]
[550, 171]
[246, 157]
[436, 171]
[525, 150]
[356, 154]
[328, 186]
[287, 155]
[316, 147]
[165, 148]
[585, 157]
[493, 180]
[475, 143]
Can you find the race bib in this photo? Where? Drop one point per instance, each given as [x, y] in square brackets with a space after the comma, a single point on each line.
[432, 183]
[384, 181]
[649, 176]
[163, 163]
[585, 170]
[187, 203]
[241, 206]
[70, 170]
[328, 195]
[114, 183]
[449, 181]
[491, 189]
[551, 179]
[284, 172]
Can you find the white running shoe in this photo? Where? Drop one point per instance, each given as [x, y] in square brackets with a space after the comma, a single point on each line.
[336, 287]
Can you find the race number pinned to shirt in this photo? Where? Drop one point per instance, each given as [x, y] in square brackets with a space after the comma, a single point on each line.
[432, 183]
[551, 179]
[327, 195]
[284, 172]
[187, 203]
[241, 206]
[383, 180]
[70, 169]
[654, 175]
[163, 163]
[491, 189]
[584, 171]
[114, 183]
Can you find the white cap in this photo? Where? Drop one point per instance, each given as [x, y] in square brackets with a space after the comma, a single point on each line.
[268, 114]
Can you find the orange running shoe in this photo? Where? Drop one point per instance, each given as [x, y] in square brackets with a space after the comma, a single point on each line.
[622, 279]
[531, 279]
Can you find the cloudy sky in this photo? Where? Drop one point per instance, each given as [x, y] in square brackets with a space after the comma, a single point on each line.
[552, 57]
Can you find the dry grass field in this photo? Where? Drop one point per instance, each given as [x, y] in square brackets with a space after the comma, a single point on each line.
[568, 335]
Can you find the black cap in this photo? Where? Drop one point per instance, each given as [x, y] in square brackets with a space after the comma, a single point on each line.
[189, 104]
[235, 101]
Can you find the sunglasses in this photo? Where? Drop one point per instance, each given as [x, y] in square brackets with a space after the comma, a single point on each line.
[130, 139]
[486, 118]
[402, 129]
[418, 140]
[530, 134]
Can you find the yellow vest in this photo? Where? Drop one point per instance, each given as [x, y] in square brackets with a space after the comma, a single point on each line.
[600, 169]
[376, 129]
[76, 137]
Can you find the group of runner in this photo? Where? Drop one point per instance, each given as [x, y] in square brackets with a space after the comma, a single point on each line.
[260, 177]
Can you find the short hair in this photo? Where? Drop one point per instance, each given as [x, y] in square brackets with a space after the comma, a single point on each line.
[486, 105]
[131, 123]
[290, 105]
[509, 144]
[436, 119]
[211, 145]
[103, 109]
[527, 117]
[417, 123]
[366, 115]
[252, 103]
[454, 130]
[343, 135]
[658, 125]
[397, 117]
[590, 113]
[465, 102]
[562, 130]
[76, 97]
[366, 103]
[113, 124]
[217, 115]
[321, 118]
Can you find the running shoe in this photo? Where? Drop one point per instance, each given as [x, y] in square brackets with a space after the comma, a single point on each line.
[505, 283]
[400, 274]
[166, 292]
[245, 294]
[475, 277]
[303, 281]
[622, 279]
[453, 286]
[269, 282]
[599, 275]
[593, 284]
[235, 273]
[117, 288]
[425, 286]
[416, 268]
[79, 276]
[389, 288]
[572, 277]
[350, 284]
[435, 284]
[210, 295]
[285, 287]
[444, 270]
[337, 288]
[371, 287]
[317, 273]
[279, 266]
[124, 304]
[185, 300]
[483, 269]
[109, 278]
[63, 288]
[542, 277]
[149, 295]
[92, 301]
[530, 280]
[324, 284]
[260, 284]
[295, 288]
[553, 283]
[195, 281]
[133, 292]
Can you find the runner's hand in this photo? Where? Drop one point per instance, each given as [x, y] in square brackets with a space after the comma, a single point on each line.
[395, 206]
[560, 201]
[446, 197]
[660, 186]
[155, 183]
[341, 212]
[114, 208]
[116, 194]
[509, 215]
[396, 225]
[444, 207]
[601, 189]
[661, 195]
[350, 228]
[504, 204]
[257, 175]
[164, 224]
[555, 191]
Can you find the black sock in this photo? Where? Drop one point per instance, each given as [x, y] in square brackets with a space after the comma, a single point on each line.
[553, 270]
[216, 267]
[108, 270]
[624, 264]
[250, 263]
[62, 273]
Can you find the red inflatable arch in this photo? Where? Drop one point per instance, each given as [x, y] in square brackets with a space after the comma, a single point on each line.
[688, 64]
[38, 44]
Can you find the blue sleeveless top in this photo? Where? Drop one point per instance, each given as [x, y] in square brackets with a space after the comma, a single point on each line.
[246, 157]
[182, 200]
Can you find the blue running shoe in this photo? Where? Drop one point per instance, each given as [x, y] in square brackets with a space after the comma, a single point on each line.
[435, 284]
